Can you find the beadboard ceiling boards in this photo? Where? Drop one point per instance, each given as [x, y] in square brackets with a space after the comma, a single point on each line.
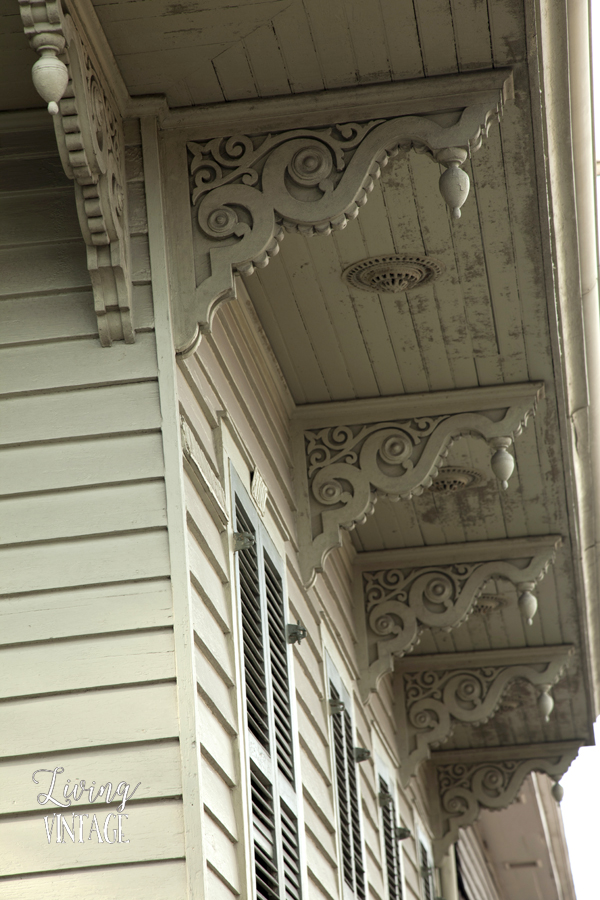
[205, 51]
[482, 322]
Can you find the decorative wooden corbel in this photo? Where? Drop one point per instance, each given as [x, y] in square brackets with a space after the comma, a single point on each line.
[348, 454]
[247, 189]
[89, 133]
[462, 782]
[433, 693]
[400, 592]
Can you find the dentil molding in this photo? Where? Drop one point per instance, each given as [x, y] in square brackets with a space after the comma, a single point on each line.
[463, 782]
[89, 133]
[433, 693]
[246, 190]
[398, 593]
[348, 454]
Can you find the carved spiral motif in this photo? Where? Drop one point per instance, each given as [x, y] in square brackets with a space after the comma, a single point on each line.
[389, 583]
[493, 780]
[423, 719]
[383, 625]
[117, 195]
[419, 683]
[98, 112]
[394, 621]
[311, 165]
[448, 776]
[469, 691]
[233, 151]
[222, 221]
[219, 221]
[395, 449]
[330, 492]
[439, 589]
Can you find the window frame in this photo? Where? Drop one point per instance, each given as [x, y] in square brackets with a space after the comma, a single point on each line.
[262, 763]
[382, 771]
[422, 840]
[334, 678]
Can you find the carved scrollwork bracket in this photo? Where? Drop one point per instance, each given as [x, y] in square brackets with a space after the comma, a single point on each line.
[345, 458]
[89, 133]
[246, 190]
[464, 782]
[398, 601]
[433, 693]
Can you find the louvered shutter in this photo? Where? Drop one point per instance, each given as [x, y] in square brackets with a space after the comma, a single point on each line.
[392, 851]
[263, 825]
[348, 802]
[279, 669]
[291, 855]
[277, 863]
[359, 869]
[425, 872]
[341, 780]
[254, 657]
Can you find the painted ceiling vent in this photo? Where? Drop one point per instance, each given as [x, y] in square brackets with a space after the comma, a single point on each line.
[515, 696]
[392, 274]
[489, 603]
[452, 479]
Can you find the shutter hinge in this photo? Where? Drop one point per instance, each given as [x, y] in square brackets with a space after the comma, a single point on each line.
[361, 754]
[295, 634]
[336, 707]
[243, 540]
[385, 798]
[401, 833]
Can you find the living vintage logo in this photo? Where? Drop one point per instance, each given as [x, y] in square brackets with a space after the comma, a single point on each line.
[75, 829]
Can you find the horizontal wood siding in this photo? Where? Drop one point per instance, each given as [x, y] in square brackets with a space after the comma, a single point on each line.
[87, 664]
[475, 868]
[233, 383]
[159, 880]
[213, 613]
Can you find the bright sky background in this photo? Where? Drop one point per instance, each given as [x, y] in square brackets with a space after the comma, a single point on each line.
[581, 803]
[581, 815]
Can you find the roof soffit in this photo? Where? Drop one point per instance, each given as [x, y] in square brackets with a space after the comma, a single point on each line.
[247, 190]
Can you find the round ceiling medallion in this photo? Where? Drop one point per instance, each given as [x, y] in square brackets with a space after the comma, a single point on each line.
[451, 479]
[392, 274]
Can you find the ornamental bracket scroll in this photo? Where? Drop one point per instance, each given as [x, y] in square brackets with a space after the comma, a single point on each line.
[89, 133]
[247, 189]
[433, 693]
[401, 592]
[349, 454]
[463, 782]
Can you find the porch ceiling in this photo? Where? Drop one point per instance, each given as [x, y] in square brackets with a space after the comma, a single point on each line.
[486, 320]
[483, 321]
[206, 51]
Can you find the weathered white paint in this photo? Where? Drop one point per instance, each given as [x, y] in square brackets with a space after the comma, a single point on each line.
[89, 595]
